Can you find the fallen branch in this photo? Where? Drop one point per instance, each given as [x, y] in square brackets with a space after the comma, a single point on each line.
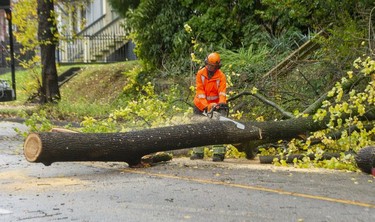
[266, 101]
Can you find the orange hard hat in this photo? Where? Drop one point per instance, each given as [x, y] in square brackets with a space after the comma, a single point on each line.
[213, 62]
[213, 58]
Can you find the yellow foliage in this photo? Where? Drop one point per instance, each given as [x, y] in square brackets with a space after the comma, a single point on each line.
[26, 19]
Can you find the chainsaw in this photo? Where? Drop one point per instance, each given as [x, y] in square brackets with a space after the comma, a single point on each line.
[220, 112]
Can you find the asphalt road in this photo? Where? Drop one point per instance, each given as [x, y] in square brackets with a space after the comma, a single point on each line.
[179, 190]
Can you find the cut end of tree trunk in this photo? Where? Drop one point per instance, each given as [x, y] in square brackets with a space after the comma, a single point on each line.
[32, 147]
[365, 159]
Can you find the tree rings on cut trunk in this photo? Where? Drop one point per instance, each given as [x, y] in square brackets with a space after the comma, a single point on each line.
[32, 147]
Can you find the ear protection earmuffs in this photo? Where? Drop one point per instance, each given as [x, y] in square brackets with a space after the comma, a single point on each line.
[206, 62]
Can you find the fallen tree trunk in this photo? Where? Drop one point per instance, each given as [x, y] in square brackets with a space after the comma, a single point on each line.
[49, 147]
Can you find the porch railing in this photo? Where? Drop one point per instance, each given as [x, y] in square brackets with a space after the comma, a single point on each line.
[100, 48]
[107, 44]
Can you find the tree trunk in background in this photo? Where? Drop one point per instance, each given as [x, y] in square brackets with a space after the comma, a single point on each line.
[47, 35]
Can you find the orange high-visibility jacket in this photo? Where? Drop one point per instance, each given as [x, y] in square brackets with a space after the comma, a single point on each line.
[210, 90]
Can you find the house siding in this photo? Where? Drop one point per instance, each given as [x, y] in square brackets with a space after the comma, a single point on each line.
[3, 40]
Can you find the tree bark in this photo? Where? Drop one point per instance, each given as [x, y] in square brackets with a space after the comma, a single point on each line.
[49, 147]
[365, 159]
[47, 35]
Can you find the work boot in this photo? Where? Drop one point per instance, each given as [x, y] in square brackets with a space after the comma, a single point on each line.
[218, 157]
[218, 153]
[198, 153]
[197, 156]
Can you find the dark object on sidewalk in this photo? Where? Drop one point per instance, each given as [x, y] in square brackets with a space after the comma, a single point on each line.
[6, 92]
[365, 159]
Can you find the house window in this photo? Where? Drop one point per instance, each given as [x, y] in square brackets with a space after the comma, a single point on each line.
[94, 11]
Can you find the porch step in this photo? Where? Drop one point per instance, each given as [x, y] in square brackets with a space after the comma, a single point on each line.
[67, 75]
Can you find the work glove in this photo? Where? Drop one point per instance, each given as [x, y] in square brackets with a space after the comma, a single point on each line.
[223, 109]
[211, 107]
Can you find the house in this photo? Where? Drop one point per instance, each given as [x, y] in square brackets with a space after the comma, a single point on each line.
[3, 26]
[4, 4]
[92, 32]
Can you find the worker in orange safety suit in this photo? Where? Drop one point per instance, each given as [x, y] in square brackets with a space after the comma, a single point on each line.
[210, 93]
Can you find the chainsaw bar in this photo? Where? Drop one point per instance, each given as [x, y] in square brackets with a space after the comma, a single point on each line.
[222, 118]
[238, 125]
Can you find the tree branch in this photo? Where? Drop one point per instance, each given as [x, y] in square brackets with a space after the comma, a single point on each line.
[346, 87]
[265, 101]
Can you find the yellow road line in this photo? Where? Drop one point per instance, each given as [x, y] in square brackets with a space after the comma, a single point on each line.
[249, 187]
